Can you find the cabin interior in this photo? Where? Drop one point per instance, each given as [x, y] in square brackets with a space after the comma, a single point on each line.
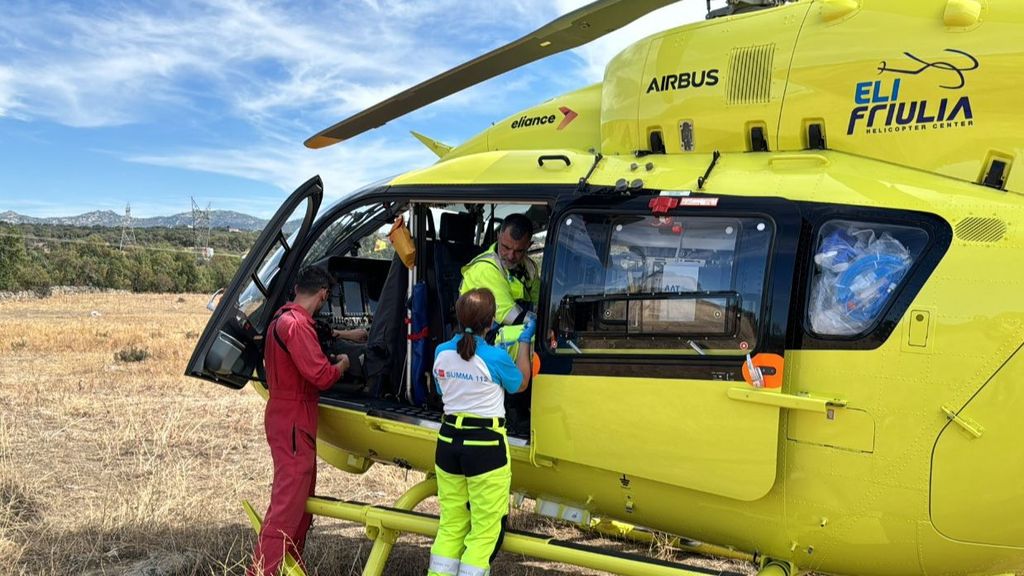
[409, 312]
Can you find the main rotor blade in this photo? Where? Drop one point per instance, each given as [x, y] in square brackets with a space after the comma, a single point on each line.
[569, 31]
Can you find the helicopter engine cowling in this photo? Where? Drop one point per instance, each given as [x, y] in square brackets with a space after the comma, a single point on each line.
[929, 90]
[569, 122]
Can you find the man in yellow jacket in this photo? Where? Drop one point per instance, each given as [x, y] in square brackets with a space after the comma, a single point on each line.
[506, 270]
[514, 278]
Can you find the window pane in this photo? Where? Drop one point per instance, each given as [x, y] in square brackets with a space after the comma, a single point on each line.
[858, 267]
[252, 299]
[375, 245]
[668, 285]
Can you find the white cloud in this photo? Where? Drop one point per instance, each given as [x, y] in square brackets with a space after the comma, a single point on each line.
[353, 70]
[6, 92]
[112, 65]
[94, 71]
[344, 167]
[282, 70]
[36, 207]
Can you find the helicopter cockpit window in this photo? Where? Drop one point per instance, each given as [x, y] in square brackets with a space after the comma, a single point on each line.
[858, 268]
[355, 249]
[665, 285]
[340, 231]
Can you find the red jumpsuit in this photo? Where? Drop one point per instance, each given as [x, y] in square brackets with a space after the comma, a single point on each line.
[297, 371]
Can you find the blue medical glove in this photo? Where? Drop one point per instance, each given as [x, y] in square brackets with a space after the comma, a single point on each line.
[529, 329]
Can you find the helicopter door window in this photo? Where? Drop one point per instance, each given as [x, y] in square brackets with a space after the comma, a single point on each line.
[858, 269]
[252, 299]
[659, 285]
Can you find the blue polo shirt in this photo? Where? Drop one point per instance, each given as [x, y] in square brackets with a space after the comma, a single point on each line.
[475, 386]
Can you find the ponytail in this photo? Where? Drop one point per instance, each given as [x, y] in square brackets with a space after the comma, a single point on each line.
[475, 312]
[467, 346]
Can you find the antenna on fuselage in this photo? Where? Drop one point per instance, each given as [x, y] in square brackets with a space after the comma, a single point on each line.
[741, 6]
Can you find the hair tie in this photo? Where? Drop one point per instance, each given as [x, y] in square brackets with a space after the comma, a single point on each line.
[468, 330]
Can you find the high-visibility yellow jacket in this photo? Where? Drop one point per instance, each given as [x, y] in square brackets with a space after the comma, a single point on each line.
[514, 294]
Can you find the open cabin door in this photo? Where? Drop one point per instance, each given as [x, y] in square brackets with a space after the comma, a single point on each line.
[650, 308]
[229, 349]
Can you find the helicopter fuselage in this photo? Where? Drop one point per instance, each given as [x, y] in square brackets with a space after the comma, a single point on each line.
[754, 152]
[900, 461]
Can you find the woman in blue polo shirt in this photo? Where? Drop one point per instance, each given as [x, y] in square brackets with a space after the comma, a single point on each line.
[471, 461]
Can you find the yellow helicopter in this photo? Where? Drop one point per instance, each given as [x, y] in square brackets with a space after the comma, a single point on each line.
[780, 312]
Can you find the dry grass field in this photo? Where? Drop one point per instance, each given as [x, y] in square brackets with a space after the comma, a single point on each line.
[113, 466]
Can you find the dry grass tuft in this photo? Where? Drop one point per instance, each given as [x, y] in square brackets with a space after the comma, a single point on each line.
[115, 467]
[131, 354]
[16, 507]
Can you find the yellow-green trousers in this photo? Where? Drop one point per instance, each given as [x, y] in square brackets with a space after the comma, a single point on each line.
[473, 483]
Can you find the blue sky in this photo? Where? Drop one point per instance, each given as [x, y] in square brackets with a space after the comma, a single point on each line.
[152, 102]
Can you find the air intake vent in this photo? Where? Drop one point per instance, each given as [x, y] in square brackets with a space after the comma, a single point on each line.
[750, 75]
[980, 229]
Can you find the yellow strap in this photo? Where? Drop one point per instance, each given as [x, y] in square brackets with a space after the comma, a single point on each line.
[460, 417]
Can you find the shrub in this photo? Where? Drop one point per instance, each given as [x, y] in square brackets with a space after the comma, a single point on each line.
[132, 354]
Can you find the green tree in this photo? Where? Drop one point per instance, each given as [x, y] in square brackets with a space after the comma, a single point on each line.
[63, 265]
[95, 255]
[13, 257]
[164, 272]
[37, 256]
[35, 276]
[140, 269]
[118, 272]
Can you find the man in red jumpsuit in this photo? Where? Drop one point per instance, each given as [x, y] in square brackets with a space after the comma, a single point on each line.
[297, 371]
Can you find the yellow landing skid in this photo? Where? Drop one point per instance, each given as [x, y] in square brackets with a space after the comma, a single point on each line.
[290, 567]
[617, 529]
[383, 526]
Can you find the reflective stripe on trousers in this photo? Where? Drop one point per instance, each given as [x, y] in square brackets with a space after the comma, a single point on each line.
[443, 566]
[467, 570]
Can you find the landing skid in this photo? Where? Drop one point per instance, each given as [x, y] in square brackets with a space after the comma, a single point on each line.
[383, 525]
[290, 567]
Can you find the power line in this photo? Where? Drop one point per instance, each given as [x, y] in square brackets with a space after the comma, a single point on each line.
[127, 228]
[201, 232]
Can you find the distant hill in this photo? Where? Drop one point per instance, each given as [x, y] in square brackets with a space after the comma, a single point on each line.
[111, 219]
